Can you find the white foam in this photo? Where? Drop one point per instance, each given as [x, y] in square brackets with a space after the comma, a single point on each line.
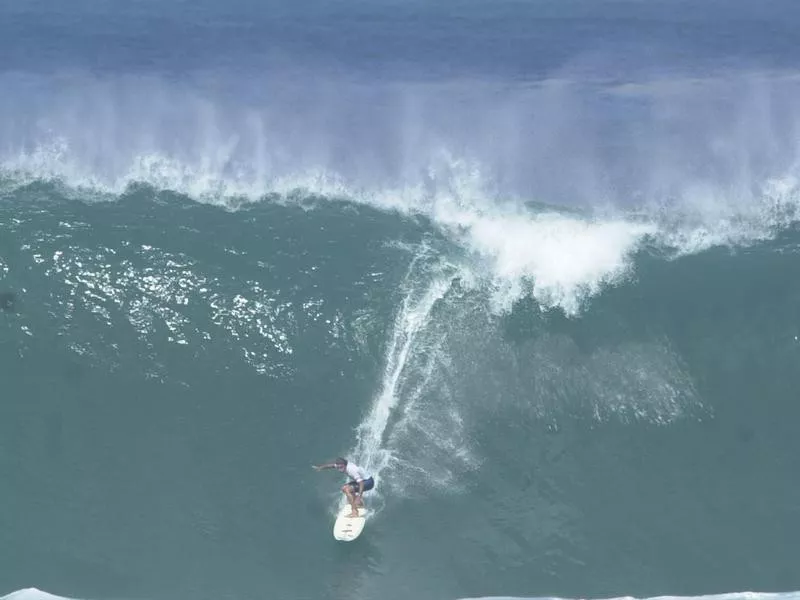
[728, 596]
[36, 594]
[739, 185]
[32, 594]
[561, 260]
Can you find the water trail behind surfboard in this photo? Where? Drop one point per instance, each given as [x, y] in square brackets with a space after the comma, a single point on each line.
[370, 450]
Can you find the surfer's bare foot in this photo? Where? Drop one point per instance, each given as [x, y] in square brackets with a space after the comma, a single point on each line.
[353, 514]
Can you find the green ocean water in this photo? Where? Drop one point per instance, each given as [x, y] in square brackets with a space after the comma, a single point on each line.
[533, 265]
[172, 369]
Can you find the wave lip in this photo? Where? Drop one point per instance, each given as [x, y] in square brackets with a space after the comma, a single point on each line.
[682, 168]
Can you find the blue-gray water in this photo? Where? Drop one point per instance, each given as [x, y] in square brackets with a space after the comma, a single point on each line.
[535, 265]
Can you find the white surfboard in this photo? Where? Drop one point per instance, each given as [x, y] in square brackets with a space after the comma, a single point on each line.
[347, 528]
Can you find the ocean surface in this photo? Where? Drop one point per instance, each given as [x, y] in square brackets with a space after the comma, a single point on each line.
[534, 264]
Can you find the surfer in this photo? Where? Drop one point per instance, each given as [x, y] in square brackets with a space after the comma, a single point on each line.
[359, 483]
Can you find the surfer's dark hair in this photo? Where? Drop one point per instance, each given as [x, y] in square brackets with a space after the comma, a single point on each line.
[340, 461]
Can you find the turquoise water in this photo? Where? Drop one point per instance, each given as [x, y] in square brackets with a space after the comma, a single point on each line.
[171, 370]
[533, 266]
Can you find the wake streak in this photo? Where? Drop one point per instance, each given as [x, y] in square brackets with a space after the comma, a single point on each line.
[412, 318]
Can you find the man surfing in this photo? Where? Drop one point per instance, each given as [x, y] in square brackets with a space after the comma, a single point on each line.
[354, 489]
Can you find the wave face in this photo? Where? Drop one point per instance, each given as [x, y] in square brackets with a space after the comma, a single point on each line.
[534, 267]
[170, 368]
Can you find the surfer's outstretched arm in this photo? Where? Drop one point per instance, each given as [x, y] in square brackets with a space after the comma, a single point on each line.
[325, 466]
